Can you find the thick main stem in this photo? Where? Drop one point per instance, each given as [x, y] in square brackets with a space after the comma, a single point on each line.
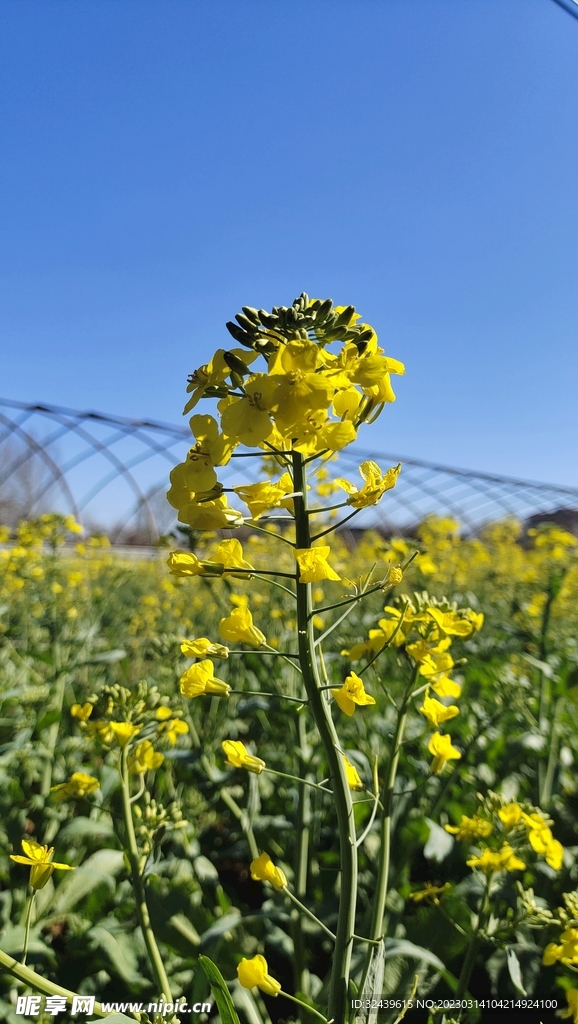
[300, 865]
[155, 959]
[320, 709]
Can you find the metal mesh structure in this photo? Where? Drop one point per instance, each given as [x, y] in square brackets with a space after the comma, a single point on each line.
[112, 474]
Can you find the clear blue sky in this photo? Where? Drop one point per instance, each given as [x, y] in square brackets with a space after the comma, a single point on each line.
[167, 161]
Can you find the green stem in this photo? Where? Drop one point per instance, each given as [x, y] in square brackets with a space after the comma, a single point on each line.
[301, 862]
[295, 778]
[308, 912]
[321, 711]
[27, 927]
[387, 799]
[271, 533]
[40, 984]
[304, 1006]
[472, 950]
[155, 958]
[243, 819]
[259, 576]
[55, 727]
[262, 693]
[336, 526]
[546, 794]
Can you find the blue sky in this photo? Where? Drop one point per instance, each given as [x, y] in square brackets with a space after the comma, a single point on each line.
[166, 162]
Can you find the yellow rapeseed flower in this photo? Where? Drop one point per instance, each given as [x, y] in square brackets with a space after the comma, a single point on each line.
[261, 497]
[185, 563]
[254, 973]
[238, 627]
[510, 815]
[145, 758]
[239, 757]
[174, 728]
[200, 679]
[353, 777]
[81, 711]
[572, 1008]
[202, 648]
[497, 860]
[441, 747]
[470, 829]
[79, 784]
[39, 859]
[264, 870]
[123, 732]
[430, 892]
[313, 564]
[437, 713]
[351, 693]
[375, 486]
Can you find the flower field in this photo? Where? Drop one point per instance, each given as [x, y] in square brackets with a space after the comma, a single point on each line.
[287, 773]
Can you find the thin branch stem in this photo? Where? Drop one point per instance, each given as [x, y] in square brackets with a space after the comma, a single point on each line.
[295, 778]
[330, 529]
[309, 913]
[262, 693]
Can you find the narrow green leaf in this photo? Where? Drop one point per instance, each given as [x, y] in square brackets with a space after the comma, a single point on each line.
[221, 993]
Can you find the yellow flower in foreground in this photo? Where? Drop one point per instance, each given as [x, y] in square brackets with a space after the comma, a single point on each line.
[185, 563]
[253, 973]
[122, 732]
[456, 624]
[173, 729]
[239, 757]
[510, 815]
[351, 693]
[375, 486]
[261, 497]
[39, 859]
[200, 679]
[79, 784]
[542, 841]
[353, 777]
[437, 713]
[572, 1009]
[497, 860]
[470, 829]
[430, 892]
[264, 870]
[230, 552]
[441, 747]
[566, 953]
[313, 564]
[145, 758]
[203, 648]
[238, 627]
[81, 711]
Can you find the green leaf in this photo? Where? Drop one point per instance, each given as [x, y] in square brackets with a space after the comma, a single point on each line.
[106, 657]
[221, 993]
[80, 829]
[221, 925]
[515, 971]
[439, 844]
[97, 870]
